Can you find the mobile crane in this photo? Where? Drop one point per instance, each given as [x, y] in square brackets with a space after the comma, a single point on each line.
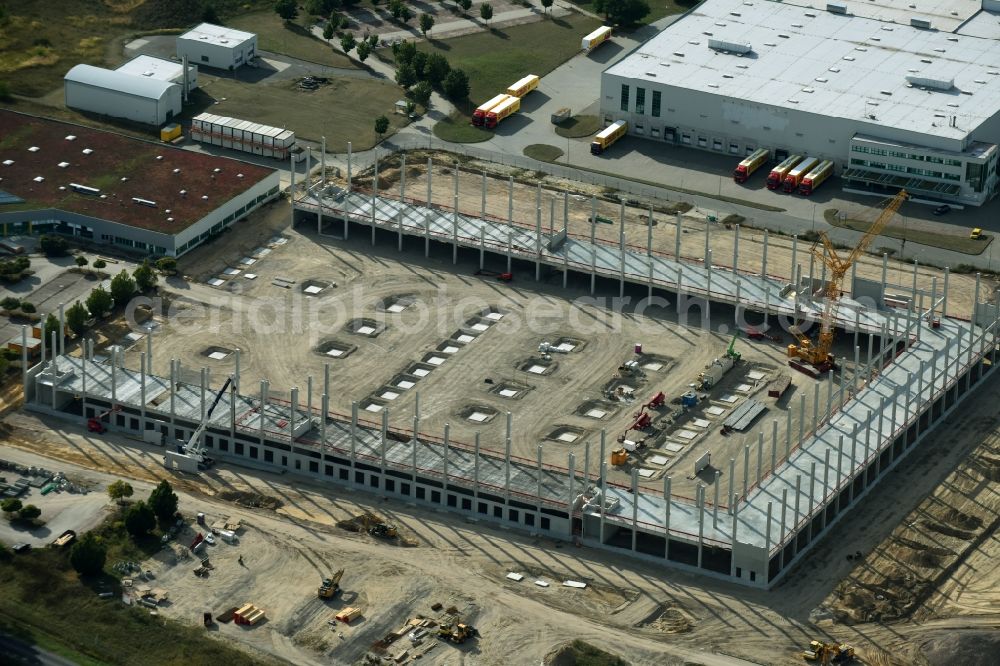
[190, 457]
[818, 354]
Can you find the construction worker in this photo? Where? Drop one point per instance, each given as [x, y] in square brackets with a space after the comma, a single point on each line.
[241, 561]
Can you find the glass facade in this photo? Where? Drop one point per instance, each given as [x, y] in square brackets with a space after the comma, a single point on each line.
[656, 104]
[624, 97]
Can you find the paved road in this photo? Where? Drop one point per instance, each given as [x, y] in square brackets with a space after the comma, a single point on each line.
[16, 651]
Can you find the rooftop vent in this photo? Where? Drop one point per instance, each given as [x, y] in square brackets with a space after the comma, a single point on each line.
[34, 149]
[796, 25]
[144, 202]
[860, 48]
[8, 162]
[953, 39]
[204, 197]
[38, 179]
[63, 165]
[849, 58]
[793, 101]
[124, 179]
[177, 170]
[147, 73]
[782, 35]
[650, 74]
[886, 92]
[887, 28]
[836, 8]
[727, 76]
[979, 81]
[808, 90]
[239, 175]
[707, 33]
[170, 219]
[720, 24]
[679, 54]
[734, 13]
[939, 50]
[769, 44]
[87, 151]
[71, 137]
[693, 42]
[834, 69]
[742, 66]
[216, 170]
[810, 15]
[822, 79]
[732, 47]
[83, 189]
[713, 85]
[933, 84]
[876, 39]
[183, 193]
[159, 157]
[953, 105]
[924, 24]
[926, 61]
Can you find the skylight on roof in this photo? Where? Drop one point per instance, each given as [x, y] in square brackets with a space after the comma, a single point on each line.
[86, 151]
[34, 149]
[8, 162]
[39, 179]
[71, 137]
[63, 165]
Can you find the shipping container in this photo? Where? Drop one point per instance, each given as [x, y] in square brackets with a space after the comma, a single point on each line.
[608, 136]
[524, 86]
[479, 115]
[595, 39]
[246, 136]
[795, 176]
[750, 164]
[815, 178]
[508, 107]
[170, 132]
[778, 173]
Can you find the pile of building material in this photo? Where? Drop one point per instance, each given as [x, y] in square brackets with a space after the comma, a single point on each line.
[249, 615]
[743, 416]
[348, 614]
[778, 386]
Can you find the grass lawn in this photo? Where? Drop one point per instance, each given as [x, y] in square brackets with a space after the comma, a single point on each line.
[40, 40]
[577, 127]
[543, 152]
[956, 242]
[344, 110]
[657, 8]
[460, 130]
[292, 39]
[43, 601]
[497, 58]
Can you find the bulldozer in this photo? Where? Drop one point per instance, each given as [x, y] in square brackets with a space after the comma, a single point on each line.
[455, 631]
[330, 586]
[377, 527]
[829, 653]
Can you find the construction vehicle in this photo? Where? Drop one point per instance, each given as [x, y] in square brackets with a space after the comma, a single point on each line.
[96, 423]
[479, 115]
[507, 107]
[817, 355]
[377, 527]
[595, 39]
[457, 632]
[330, 586]
[524, 86]
[731, 349]
[976, 234]
[794, 177]
[754, 333]
[828, 653]
[608, 136]
[815, 178]
[502, 277]
[778, 173]
[190, 457]
[751, 163]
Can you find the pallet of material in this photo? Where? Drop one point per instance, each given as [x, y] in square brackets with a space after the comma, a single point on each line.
[778, 386]
[226, 615]
[744, 415]
[348, 614]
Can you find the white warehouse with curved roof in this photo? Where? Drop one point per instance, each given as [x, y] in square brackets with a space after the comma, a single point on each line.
[142, 99]
[895, 96]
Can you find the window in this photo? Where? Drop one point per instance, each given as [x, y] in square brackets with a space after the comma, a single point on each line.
[314, 467]
[513, 515]
[390, 485]
[238, 448]
[640, 129]
[482, 508]
[373, 481]
[204, 58]
[466, 504]
[686, 138]
[452, 500]
[436, 496]
[498, 512]
[298, 464]
[656, 104]
[223, 445]
[421, 493]
[529, 519]
[702, 142]
[404, 488]
[624, 106]
[328, 470]
[716, 144]
[344, 474]
[268, 456]
[734, 148]
[253, 452]
[359, 477]
[640, 100]
[545, 523]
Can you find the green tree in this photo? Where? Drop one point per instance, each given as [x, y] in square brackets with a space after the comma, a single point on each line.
[100, 302]
[76, 318]
[364, 50]
[88, 555]
[144, 276]
[405, 76]
[436, 69]
[163, 501]
[622, 12]
[421, 93]
[29, 512]
[347, 42]
[139, 519]
[546, 4]
[10, 303]
[119, 490]
[81, 260]
[286, 9]
[373, 41]
[53, 245]
[11, 505]
[51, 326]
[122, 288]
[465, 4]
[406, 15]
[100, 263]
[456, 85]
[404, 53]
[381, 126]
[210, 15]
[486, 12]
[167, 265]
[419, 63]
[329, 28]
[396, 8]
[27, 307]
[426, 23]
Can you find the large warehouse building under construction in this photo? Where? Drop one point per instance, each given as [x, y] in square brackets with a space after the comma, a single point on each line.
[896, 95]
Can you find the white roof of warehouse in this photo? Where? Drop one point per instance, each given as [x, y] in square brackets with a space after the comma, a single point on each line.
[825, 63]
[140, 86]
[217, 34]
[984, 24]
[153, 68]
[945, 15]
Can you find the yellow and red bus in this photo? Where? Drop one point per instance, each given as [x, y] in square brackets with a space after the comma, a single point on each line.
[778, 173]
[815, 178]
[751, 163]
[479, 115]
[608, 136]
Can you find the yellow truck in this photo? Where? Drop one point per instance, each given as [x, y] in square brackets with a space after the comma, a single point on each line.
[595, 39]
[608, 136]
[524, 86]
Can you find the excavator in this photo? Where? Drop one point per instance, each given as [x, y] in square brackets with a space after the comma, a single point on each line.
[456, 632]
[330, 586]
[828, 653]
[817, 354]
[96, 423]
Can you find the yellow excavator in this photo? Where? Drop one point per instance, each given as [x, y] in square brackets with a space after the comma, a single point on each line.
[456, 632]
[828, 653]
[817, 354]
[330, 586]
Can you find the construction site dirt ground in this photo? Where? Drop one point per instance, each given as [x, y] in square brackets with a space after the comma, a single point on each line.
[423, 314]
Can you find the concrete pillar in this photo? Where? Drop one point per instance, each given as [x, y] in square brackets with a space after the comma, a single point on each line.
[708, 227]
[732, 475]
[416, 442]
[293, 415]
[760, 453]
[944, 294]
[325, 406]
[593, 248]
[446, 451]
[291, 191]
[430, 211]
[475, 470]
[604, 496]
[677, 236]
[383, 441]
[798, 497]
[571, 465]
[815, 421]
[788, 432]
[763, 261]
[24, 362]
[746, 469]
[715, 499]
[510, 218]
[736, 249]
[829, 394]
[767, 530]
[483, 208]
[795, 254]
[354, 430]
[621, 252]
[62, 331]
[812, 487]
[41, 337]
[666, 517]
[264, 390]
[603, 459]
[348, 166]
[802, 418]
[635, 506]
[142, 388]
[202, 399]
[586, 465]
[482, 246]
[701, 522]
[374, 198]
[826, 473]
[454, 232]
[732, 565]
[784, 511]
[774, 444]
[538, 243]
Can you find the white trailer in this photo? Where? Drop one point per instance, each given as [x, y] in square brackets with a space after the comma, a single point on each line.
[246, 136]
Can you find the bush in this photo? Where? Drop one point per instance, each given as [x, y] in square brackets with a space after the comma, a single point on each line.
[88, 555]
[99, 264]
[456, 85]
[11, 505]
[53, 245]
[27, 307]
[167, 265]
[144, 276]
[139, 520]
[81, 261]
[10, 303]
[421, 93]
[30, 512]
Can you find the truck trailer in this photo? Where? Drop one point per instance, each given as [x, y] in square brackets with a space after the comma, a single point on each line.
[508, 107]
[524, 86]
[595, 39]
[794, 177]
[751, 163]
[245, 136]
[815, 178]
[608, 136]
[778, 173]
[479, 115]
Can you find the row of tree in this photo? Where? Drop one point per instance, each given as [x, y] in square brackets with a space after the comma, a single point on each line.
[26, 512]
[422, 73]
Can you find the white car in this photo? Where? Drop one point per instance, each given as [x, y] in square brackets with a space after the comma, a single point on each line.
[210, 540]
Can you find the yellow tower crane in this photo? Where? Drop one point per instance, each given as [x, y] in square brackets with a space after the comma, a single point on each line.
[818, 354]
